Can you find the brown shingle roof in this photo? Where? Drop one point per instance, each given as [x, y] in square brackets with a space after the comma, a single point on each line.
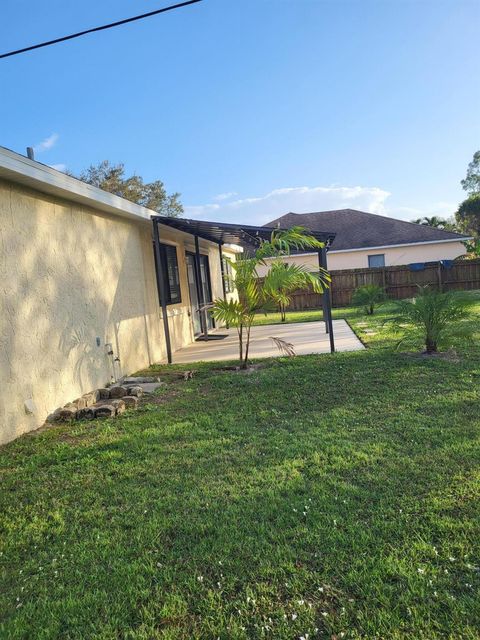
[359, 229]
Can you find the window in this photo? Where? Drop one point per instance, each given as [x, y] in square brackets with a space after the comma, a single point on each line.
[228, 276]
[376, 260]
[169, 273]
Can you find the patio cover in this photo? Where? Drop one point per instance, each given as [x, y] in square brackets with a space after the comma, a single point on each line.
[227, 233]
[222, 232]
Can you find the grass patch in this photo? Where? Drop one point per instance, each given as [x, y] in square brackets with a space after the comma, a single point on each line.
[375, 331]
[321, 495]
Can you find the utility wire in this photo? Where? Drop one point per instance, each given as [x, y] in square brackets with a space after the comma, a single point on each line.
[102, 28]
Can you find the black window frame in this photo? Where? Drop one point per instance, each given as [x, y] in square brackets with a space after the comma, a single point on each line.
[376, 255]
[170, 273]
[228, 275]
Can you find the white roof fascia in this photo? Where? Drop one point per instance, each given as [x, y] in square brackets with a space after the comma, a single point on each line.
[22, 170]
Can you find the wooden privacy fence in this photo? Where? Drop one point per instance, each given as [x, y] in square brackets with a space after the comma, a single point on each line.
[398, 282]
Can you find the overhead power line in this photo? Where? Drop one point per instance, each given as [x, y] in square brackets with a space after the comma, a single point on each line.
[101, 28]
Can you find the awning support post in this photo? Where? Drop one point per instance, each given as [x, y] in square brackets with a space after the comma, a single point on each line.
[162, 294]
[327, 301]
[201, 300]
[222, 271]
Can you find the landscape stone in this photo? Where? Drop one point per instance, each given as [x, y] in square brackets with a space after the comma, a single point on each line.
[80, 403]
[140, 379]
[67, 413]
[135, 391]
[118, 404]
[131, 402]
[118, 391]
[88, 413]
[151, 387]
[89, 399]
[104, 411]
[100, 403]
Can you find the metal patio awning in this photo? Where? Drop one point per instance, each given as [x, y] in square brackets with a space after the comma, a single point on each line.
[223, 232]
[227, 233]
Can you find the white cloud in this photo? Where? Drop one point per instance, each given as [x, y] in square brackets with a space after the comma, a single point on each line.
[225, 196]
[261, 209]
[46, 144]
[440, 209]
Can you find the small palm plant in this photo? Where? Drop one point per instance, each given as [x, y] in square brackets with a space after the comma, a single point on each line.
[256, 295]
[283, 279]
[368, 297]
[435, 315]
[240, 313]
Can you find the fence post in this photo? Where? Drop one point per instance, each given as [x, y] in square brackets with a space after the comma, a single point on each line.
[439, 273]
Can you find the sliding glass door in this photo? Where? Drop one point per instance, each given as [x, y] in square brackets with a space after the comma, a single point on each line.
[194, 286]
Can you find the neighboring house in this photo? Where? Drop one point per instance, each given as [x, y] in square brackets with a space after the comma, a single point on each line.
[78, 274]
[370, 240]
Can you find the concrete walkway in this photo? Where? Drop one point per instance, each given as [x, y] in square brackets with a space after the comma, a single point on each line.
[306, 337]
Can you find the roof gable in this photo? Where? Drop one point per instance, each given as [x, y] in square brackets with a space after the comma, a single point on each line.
[359, 229]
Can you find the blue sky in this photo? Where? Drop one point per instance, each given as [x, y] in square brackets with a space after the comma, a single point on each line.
[252, 108]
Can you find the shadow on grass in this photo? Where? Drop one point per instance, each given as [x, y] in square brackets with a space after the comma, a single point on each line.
[335, 473]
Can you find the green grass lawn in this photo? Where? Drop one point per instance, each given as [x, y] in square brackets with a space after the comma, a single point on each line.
[375, 331]
[334, 496]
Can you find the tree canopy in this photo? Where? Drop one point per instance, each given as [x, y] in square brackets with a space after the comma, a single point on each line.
[468, 214]
[111, 177]
[437, 222]
[471, 183]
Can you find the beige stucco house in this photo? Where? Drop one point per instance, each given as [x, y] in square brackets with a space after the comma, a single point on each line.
[368, 240]
[80, 291]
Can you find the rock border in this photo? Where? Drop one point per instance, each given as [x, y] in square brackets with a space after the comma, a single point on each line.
[106, 402]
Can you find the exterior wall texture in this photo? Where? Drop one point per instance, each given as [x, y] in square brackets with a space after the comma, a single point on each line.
[70, 275]
[394, 256]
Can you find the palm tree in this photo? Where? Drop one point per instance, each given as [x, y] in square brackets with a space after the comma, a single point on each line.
[283, 279]
[256, 295]
[434, 315]
[368, 297]
[437, 223]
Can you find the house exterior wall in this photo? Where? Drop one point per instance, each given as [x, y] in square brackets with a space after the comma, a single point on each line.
[71, 274]
[394, 256]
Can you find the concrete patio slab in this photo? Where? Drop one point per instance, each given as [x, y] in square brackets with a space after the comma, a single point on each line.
[306, 337]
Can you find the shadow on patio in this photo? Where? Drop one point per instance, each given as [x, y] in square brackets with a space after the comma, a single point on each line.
[306, 337]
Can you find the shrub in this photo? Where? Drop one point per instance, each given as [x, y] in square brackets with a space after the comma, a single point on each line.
[435, 316]
[369, 296]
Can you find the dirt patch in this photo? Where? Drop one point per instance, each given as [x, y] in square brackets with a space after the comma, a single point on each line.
[64, 431]
[236, 369]
[450, 356]
[73, 439]
[160, 398]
